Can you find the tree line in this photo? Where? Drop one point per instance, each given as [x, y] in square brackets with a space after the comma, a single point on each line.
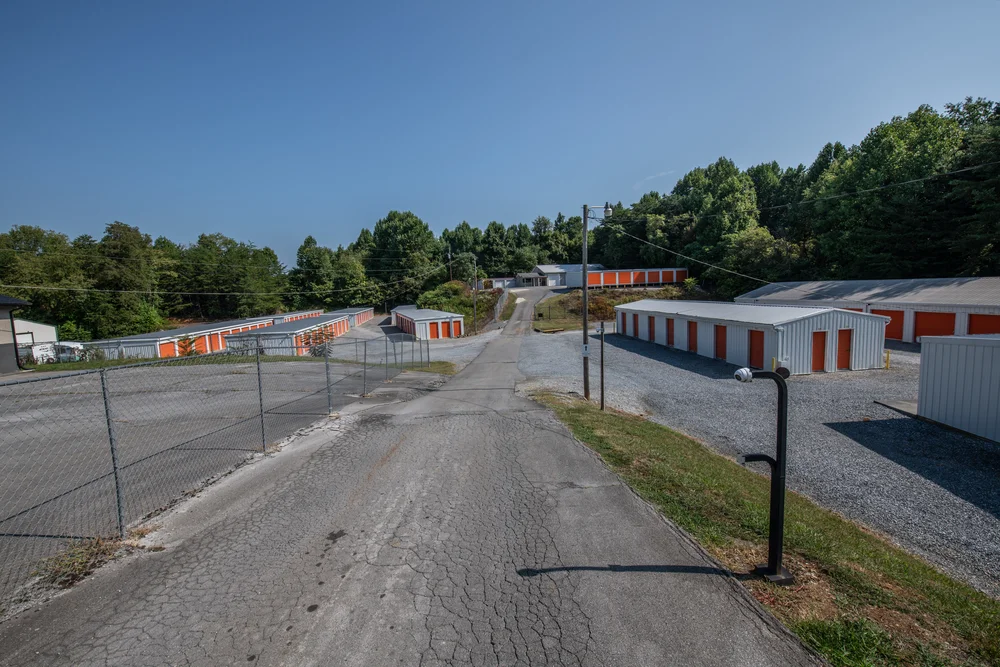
[864, 211]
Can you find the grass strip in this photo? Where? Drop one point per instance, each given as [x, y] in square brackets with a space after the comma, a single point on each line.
[857, 600]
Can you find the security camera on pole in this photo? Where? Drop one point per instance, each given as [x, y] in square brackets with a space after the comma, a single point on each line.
[586, 331]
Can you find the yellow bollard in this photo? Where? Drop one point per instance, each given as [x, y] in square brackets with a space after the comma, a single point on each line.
[774, 363]
[887, 355]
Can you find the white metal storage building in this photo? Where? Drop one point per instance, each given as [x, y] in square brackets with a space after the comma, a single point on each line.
[960, 383]
[357, 316]
[428, 324]
[298, 315]
[294, 338]
[916, 307]
[561, 275]
[803, 340]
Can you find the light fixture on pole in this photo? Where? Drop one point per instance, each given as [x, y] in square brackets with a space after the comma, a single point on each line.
[586, 333]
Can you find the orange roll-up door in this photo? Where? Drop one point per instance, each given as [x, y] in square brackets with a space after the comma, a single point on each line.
[610, 278]
[934, 324]
[624, 277]
[621, 329]
[692, 336]
[446, 329]
[681, 276]
[720, 341]
[819, 351]
[652, 277]
[635, 324]
[667, 277]
[984, 324]
[593, 279]
[456, 329]
[894, 329]
[756, 349]
[670, 332]
[844, 349]
[638, 277]
[166, 350]
[435, 333]
[652, 329]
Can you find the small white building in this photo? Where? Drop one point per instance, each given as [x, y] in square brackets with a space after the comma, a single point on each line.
[803, 340]
[32, 333]
[916, 307]
[428, 324]
[960, 383]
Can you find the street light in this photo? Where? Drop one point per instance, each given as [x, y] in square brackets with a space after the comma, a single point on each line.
[773, 571]
[586, 334]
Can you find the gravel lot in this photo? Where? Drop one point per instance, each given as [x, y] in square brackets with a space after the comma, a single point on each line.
[931, 490]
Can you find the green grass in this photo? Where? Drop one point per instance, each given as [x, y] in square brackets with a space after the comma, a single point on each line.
[442, 367]
[852, 585]
[508, 308]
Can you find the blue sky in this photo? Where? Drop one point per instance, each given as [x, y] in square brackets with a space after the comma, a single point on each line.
[271, 121]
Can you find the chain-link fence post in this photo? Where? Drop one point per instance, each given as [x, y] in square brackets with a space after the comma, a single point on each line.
[386, 360]
[260, 396]
[329, 387]
[355, 350]
[413, 355]
[395, 359]
[420, 344]
[428, 353]
[364, 373]
[112, 440]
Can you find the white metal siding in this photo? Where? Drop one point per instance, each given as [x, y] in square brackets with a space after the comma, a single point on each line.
[661, 329]
[867, 342]
[960, 383]
[680, 333]
[706, 338]
[738, 344]
[572, 278]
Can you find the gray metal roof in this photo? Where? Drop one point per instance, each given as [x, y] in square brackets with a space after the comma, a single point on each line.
[980, 339]
[926, 291]
[190, 331]
[294, 327]
[352, 311]
[297, 313]
[730, 312]
[422, 314]
[566, 268]
[12, 301]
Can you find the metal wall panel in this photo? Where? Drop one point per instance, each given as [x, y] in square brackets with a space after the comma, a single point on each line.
[738, 345]
[680, 333]
[960, 383]
[706, 339]
[661, 330]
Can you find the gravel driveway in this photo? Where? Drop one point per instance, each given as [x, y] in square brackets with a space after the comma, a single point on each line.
[931, 490]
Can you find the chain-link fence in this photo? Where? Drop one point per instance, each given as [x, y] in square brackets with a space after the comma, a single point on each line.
[86, 454]
[501, 302]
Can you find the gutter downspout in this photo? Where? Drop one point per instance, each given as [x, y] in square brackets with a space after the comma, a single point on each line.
[13, 333]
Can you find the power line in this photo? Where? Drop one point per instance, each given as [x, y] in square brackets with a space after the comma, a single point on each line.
[168, 293]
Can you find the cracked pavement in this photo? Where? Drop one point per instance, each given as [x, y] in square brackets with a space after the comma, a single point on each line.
[465, 526]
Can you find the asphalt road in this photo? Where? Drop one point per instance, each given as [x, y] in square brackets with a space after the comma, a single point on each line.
[462, 527]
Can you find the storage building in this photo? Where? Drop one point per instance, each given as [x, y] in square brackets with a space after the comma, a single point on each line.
[298, 315]
[916, 307]
[960, 383]
[357, 316]
[556, 275]
[428, 324]
[803, 340]
[294, 338]
[192, 339]
[8, 345]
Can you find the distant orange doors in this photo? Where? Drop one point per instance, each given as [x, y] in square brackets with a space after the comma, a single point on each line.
[670, 332]
[446, 329]
[894, 329]
[692, 336]
[844, 349]
[934, 324]
[594, 279]
[635, 324]
[720, 341]
[456, 328]
[652, 329]
[819, 351]
[435, 332]
[984, 324]
[756, 349]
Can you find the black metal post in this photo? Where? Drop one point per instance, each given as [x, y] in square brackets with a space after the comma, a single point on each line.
[602, 365]
[428, 353]
[119, 498]
[774, 571]
[364, 372]
[586, 325]
[260, 396]
[386, 358]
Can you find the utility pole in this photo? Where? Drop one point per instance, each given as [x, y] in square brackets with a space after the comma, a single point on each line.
[451, 275]
[475, 293]
[586, 334]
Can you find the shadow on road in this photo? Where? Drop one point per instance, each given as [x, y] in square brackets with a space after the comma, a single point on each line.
[967, 467]
[674, 569]
[714, 369]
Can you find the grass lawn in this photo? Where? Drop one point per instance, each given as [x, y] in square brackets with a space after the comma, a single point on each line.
[566, 312]
[508, 308]
[442, 367]
[857, 599]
